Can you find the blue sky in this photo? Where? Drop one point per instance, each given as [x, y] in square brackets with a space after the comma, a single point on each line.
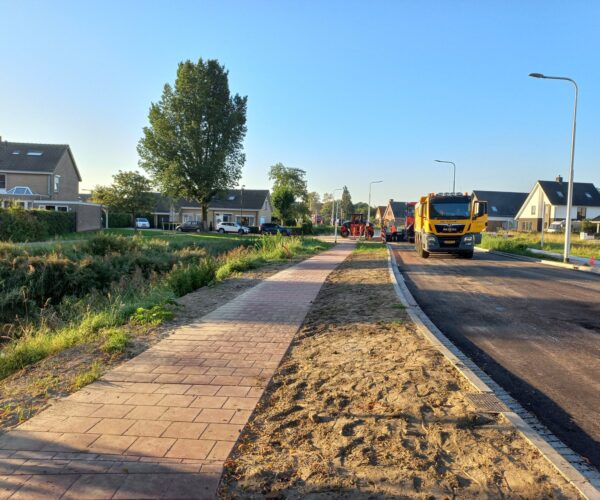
[350, 91]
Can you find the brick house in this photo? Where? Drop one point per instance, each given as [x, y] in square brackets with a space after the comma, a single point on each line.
[250, 207]
[502, 207]
[44, 176]
[547, 202]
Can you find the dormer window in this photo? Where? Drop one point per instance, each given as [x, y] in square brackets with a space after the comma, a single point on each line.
[560, 195]
[56, 183]
[34, 153]
[588, 195]
[16, 152]
[231, 198]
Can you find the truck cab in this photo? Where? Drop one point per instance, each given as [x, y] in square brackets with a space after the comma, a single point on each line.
[449, 223]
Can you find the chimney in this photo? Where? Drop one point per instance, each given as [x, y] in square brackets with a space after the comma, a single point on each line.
[391, 200]
[559, 179]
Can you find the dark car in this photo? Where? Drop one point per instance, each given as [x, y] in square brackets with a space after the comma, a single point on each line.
[190, 226]
[272, 228]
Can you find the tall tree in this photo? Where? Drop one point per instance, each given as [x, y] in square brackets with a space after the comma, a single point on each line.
[130, 193]
[193, 146]
[290, 180]
[283, 204]
[346, 206]
[327, 207]
[314, 203]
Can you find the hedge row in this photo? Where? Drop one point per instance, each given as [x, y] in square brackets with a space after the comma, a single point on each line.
[17, 224]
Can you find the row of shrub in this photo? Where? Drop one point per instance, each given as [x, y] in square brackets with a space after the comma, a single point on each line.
[17, 224]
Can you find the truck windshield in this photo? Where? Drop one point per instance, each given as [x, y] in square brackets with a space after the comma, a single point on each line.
[449, 210]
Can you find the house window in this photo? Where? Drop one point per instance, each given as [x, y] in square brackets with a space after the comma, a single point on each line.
[226, 217]
[2, 181]
[56, 183]
[532, 209]
[581, 213]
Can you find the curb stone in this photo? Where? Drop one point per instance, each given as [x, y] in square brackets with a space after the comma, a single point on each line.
[569, 464]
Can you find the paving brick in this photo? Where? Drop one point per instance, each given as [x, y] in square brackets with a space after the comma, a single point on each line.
[227, 380]
[240, 417]
[71, 442]
[112, 411]
[144, 399]
[111, 444]
[180, 414]
[233, 390]
[176, 400]
[173, 388]
[240, 403]
[146, 412]
[208, 402]
[221, 450]
[150, 446]
[203, 390]
[147, 428]
[222, 432]
[144, 486]
[10, 484]
[95, 486]
[215, 415]
[45, 486]
[191, 448]
[185, 430]
[116, 426]
[27, 440]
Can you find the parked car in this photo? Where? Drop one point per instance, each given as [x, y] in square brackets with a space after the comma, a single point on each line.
[558, 226]
[232, 227]
[142, 223]
[272, 228]
[190, 226]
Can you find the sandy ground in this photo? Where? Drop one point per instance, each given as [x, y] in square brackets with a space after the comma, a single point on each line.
[27, 392]
[364, 407]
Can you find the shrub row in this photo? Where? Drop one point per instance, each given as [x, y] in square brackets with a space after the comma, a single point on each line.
[17, 224]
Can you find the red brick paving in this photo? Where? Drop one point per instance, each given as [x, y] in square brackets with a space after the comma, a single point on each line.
[163, 423]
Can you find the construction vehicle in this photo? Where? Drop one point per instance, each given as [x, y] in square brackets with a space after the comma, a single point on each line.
[449, 223]
[357, 226]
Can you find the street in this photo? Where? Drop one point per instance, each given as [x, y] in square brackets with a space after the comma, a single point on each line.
[534, 329]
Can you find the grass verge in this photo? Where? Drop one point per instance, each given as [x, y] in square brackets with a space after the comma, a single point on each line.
[518, 243]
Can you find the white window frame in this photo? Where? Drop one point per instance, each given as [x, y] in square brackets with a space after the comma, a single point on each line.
[56, 183]
[533, 207]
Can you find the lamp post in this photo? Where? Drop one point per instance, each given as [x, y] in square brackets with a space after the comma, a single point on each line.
[334, 215]
[241, 203]
[454, 176]
[567, 249]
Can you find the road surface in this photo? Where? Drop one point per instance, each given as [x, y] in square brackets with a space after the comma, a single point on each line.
[534, 329]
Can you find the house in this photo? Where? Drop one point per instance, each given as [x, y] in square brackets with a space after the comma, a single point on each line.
[379, 212]
[502, 207]
[395, 213]
[251, 207]
[548, 201]
[44, 176]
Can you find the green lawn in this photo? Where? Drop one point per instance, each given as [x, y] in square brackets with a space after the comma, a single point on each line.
[519, 242]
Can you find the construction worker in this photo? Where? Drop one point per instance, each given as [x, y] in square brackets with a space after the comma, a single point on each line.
[394, 232]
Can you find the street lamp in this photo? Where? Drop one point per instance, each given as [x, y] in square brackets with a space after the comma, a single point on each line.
[571, 170]
[241, 203]
[369, 207]
[334, 214]
[454, 176]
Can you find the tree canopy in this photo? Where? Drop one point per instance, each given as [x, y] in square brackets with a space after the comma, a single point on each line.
[289, 193]
[193, 146]
[130, 193]
[346, 206]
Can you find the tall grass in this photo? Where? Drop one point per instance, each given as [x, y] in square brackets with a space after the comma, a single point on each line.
[134, 280]
[518, 243]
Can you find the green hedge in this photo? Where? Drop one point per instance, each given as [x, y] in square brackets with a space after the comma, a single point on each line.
[17, 224]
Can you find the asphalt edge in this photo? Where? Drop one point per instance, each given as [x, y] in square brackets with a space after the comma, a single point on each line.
[553, 263]
[568, 463]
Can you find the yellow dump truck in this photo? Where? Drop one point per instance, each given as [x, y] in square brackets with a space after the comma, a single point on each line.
[449, 223]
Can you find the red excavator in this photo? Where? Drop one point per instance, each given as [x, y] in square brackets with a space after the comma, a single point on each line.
[357, 226]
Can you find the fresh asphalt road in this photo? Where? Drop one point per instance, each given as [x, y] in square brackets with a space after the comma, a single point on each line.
[534, 329]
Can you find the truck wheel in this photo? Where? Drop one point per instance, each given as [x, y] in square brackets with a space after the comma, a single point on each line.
[467, 255]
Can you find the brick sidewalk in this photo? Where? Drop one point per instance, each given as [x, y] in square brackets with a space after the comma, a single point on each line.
[162, 424]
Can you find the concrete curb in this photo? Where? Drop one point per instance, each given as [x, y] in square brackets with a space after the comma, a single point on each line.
[573, 267]
[568, 463]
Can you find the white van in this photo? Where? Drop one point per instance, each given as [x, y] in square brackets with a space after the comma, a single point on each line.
[557, 226]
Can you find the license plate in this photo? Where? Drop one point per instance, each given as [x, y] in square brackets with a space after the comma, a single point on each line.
[450, 242]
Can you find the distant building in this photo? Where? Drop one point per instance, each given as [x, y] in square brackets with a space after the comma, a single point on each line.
[547, 202]
[502, 207]
[250, 207]
[379, 213]
[44, 176]
[395, 213]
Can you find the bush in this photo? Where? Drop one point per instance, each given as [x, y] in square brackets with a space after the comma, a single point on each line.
[116, 341]
[116, 220]
[17, 224]
[153, 316]
[307, 227]
[187, 278]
